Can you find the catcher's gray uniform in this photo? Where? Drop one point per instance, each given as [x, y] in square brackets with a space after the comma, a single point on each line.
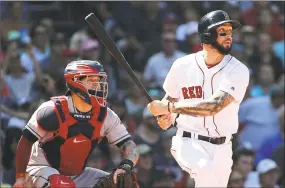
[39, 169]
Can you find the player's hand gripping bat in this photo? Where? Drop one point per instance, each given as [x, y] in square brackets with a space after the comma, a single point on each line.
[97, 27]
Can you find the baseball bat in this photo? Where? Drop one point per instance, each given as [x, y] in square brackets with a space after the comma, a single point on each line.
[97, 27]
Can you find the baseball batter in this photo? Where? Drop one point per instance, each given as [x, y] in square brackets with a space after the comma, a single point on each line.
[62, 133]
[203, 93]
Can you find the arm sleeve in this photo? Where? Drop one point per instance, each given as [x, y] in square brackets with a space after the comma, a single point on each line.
[236, 82]
[42, 121]
[170, 86]
[113, 128]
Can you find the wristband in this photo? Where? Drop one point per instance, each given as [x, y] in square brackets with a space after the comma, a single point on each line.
[20, 175]
[168, 106]
[126, 165]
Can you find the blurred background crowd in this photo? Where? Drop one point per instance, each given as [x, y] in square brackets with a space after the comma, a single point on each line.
[39, 38]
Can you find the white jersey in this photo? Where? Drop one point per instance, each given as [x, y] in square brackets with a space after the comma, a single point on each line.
[112, 128]
[191, 80]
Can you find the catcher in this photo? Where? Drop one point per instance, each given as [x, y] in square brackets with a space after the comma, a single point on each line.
[63, 131]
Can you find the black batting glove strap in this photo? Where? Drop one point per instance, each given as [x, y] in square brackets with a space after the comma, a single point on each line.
[126, 165]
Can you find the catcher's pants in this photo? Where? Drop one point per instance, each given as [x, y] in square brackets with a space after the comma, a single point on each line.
[209, 164]
[38, 176]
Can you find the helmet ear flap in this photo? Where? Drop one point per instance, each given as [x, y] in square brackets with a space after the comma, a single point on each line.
[206, 37]
[209, 37]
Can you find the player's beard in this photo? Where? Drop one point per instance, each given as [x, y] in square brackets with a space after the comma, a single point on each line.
[221, 49]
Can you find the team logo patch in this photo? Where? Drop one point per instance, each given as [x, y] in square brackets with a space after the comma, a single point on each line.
[226, 16]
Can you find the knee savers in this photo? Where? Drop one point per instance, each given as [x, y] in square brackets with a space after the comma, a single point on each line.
[60, 181]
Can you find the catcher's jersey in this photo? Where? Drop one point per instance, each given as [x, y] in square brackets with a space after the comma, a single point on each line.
[112, 128]
[190, 79]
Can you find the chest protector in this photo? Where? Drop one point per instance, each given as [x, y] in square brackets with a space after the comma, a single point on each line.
[78, 134]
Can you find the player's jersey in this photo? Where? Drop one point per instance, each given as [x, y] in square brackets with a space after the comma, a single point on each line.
[81, 137]
[190, 79]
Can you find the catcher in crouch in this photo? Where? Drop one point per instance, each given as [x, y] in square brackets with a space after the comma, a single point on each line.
[62, 132]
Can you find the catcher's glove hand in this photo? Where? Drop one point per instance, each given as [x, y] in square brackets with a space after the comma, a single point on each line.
[124, 180]
[127, 179]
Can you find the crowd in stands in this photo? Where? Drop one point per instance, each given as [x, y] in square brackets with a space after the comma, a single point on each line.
[38, 39]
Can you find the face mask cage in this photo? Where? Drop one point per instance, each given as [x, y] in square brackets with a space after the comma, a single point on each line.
[95, 86]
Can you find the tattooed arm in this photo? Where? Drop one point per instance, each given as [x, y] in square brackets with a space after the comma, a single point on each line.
[129, 149]
[208, 107]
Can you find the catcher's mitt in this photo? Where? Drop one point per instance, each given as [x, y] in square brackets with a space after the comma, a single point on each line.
[125, 180]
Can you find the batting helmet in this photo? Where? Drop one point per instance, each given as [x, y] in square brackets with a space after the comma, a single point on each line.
[78, 70]
[208, 24]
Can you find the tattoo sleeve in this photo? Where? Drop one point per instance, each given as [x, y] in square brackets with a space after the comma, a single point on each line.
[204, 108]
[130, 151]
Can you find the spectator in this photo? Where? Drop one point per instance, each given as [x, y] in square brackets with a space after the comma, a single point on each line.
[144, 166]
[165, 160]
[148, 133]
[54, 64]
[260, 115]
[49, 25]
[14, 24]
[16, 77]
[147, 174]
[266, 56]
[192, 43]
[249, 38]
[129, 46]
[10, 144]
[268, 173]
[272, 143]
[118, 106]
[191, 25]
[134, 102]
[243, 162]
[169, 23]
[160, 63]
[278, 153]
[236, 14]
[39, 41]
[278, 157]
[266, 24]
[77, 39]
[251, 16]
[152, 17]
[90, 49]
[236, 180]
[265, 79]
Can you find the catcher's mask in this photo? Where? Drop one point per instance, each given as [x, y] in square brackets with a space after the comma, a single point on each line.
[89, 80]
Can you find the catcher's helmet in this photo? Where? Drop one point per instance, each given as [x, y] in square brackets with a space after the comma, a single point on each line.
[78, 70]
[208, 24]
